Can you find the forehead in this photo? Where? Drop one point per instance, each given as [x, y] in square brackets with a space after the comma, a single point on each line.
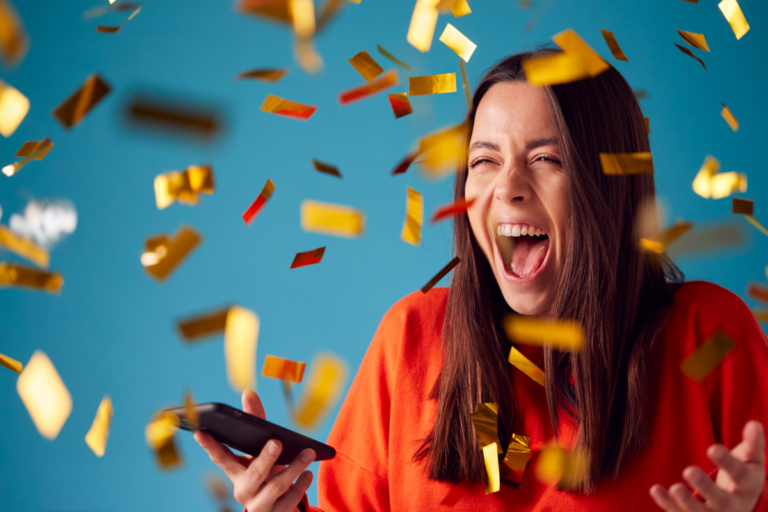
[514, 110]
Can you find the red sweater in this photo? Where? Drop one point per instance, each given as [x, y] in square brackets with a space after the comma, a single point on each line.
[388, 410]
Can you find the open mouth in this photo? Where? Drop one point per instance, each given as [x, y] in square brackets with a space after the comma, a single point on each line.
[523, 248]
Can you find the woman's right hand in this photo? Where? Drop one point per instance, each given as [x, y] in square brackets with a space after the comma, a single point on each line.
[260, 485]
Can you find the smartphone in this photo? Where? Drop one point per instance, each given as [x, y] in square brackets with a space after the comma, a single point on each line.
[247, 433]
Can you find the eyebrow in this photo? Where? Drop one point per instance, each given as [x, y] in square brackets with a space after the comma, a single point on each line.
[533, 144]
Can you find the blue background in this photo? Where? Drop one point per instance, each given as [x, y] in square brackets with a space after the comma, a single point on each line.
[111, 331]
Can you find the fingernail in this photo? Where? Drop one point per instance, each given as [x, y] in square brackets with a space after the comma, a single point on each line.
[272, 448]
[307, 455]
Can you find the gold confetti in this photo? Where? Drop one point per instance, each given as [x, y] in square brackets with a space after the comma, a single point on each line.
[709, 239]
[366, 66]
[730, 118]
[184, 186]
[561, 334]
[391, 57]
[122, 6]
[44, 395]
[458, 42]
[626, 163]
[302, 14]
[443, 272]
[757, 224]
[557, 466]
[444, 151]
[74, 109]
[306, 56]
[13, 38]
[203, 326]
[13, 108]
[691, 55]
[192, 417]
[158, 113]
[710, 183]
[401, 105]
[29, 147]
[163, 255]
[96, 438]
[24, 247]
[518, 454]
[385, 81]
[332, 219]
[281, 107]
[704, 359]
[485, 421]
[25, 277]
[159, 434]
[665, 238]
[695, 40]
[423, 23]
[264, 75]
[323, 390]
[41, 148]
[460, 8]
[613, 45]
[578, 61]
[491, 459]
[330, 9]
[241, 336]
[10, 363]
[525, 365]
[414, 217]
[432, 84]
[283, 369]
[326, 168]
[272, 10]
[732, 13]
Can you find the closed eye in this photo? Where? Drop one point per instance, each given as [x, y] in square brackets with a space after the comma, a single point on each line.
[478, 162]
[543, 158]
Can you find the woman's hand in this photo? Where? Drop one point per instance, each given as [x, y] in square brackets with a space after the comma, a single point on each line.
[739, 483]
[260, 485]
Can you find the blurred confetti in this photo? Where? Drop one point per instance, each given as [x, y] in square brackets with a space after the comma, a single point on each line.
[44, 395]
[701, 362]
[13, 38]
[20, 276]
[241, 335]
[184, 187]
[313, 257]
[96, 438]
[13, 108]
[332, 219]
[325, 383]
[74, 109]
[168, 115]
[414, 217]
[560, 334]
[162, 255]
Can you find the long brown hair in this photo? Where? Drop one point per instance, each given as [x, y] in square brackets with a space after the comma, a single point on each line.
[620, 296]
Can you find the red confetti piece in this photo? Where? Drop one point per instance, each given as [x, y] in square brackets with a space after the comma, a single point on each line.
[758, 292]
[259, 203]
[452, 209]
[406, 162]
[302, 259]
[385, 81]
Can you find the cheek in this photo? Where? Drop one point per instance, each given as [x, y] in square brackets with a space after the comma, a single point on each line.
[478, 213]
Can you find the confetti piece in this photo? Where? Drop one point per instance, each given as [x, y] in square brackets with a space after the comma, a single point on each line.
[578, 61]
[561, 334]
[444, 151]
[46, 222]
[203, 326]
[385, 81]
[25, 277]
[302, 259]
[423, 23]
[465, 83]
[525, 365]
[414, 217]
[307, 56]
[13, 108]
[732, 13]
[10, 363]
[661, 240]
[460, 8]
[183, 119]
[691, 55]
[730, 118]
[457, 207]
[24, 247]
[743, 206]
[443, 272]
[432, 84]
[401, 105]
[491, 459]
[366, 66]
[517, 456]
[691, 1]
[264, 75]
[271, 10]
[391, 57]
[302, 14]
[405, 163]
[332, 219]
[330, 10]
[30, 146]
[626, 163]
[44, 395]
[286, 108]
[190, 412]
[326, 168]
[258, 204]
[709, 239]
[74, 109]
[220, 488]
[41, 148]
[96, 438]
[160, 437]
[556, 466]
[458, 42]
[695, 40]
[108, 29]
[710, 183]
[163, 255]
[486, 423]
[760, 316]
[640, 94]
[757, 292]
[613, 45]
[283, 369]
[184, 187]
[757, 224]
[323, 390]
[241, 336]
[13, 38]
[701, 362]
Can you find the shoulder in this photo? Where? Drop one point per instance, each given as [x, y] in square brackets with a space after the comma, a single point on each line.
[704, 303]
[418, 308]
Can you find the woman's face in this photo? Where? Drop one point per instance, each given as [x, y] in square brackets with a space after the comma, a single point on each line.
[521, 213]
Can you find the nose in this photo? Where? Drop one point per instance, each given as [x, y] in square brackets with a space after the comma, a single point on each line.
[512, 185]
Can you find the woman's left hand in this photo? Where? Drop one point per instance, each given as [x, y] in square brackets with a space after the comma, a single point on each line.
[739, 483]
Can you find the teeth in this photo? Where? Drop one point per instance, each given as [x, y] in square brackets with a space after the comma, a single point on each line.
[518, 230]
[524, 230]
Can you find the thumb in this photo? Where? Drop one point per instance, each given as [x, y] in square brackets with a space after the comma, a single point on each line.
[752, 448]
[252, 404]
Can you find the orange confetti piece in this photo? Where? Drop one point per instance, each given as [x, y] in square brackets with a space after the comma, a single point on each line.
[283, 369]
[385, 81]
[286, 108]
[452, 209]
[253, 210]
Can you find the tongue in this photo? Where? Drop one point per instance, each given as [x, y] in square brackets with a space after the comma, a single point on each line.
[528, 255]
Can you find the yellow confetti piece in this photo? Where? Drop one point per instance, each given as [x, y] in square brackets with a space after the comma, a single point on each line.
[465, 83]
[458, 42]
[366, 66]
[486, 423]
[332, 219]
[74, 109]
[264, 75]
[423, 23]
[241, 336]
[696, 40]
[578, 61]
[302, 13]
[518, 453]
[663, 239]
[525, 365]
[11, 363]
[44, 395]
[287, 108]
[460, 8]
[184, 186]
[623, 164]
[491, 459]
[432, 84]
[702, 361]
[732, 13]
[709, 183]
[97, 436]
[41, 148]
[391, 57]
[203, 326]
[25, 277]
[307, 56]
[162, 255]
[757, 224]
[13, 108]
[613, 45]
[730, 118]
[13, 38]
[691, 55]
[283, 369]
[561, 334]
[24, 247]
[444, 151]
[29, 147]
[323, 390]
[160, 437]
[556, 466]
[414, 217]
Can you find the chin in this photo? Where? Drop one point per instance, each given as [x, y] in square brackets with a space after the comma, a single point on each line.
[526, 303]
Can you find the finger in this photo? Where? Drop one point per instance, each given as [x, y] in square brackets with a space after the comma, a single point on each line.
[662, 498]
[259, 471]
[722, 457]
[279, 485]
[685, 500]
[252, 404]
[220, 455]
[754, 437]
[716, 497]
[291, 499]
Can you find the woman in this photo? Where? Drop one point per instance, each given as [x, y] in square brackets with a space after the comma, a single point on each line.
[404, 438]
